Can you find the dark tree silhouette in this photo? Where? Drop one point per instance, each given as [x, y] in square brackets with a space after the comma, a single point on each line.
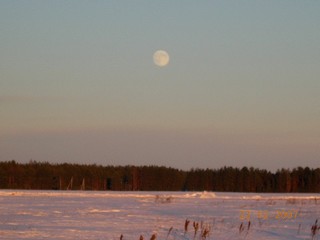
[43, 175]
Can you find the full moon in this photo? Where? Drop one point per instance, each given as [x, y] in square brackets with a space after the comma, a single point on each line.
[161, 58]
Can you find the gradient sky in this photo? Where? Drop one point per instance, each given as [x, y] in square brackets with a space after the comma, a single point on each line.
[78, 83]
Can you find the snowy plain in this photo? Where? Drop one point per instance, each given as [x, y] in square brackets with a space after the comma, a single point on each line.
[108, 215]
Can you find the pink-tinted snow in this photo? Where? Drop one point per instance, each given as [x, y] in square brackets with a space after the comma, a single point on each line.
[108, 215]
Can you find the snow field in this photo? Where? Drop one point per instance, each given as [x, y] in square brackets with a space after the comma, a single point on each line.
[108, 215]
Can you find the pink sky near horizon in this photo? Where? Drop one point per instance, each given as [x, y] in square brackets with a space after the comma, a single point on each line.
[78, 83]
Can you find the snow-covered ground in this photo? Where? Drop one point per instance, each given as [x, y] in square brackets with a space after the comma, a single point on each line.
[108, 215]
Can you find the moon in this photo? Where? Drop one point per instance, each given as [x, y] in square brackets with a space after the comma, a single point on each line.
[161, 58]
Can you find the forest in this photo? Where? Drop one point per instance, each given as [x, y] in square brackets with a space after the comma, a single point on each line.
[66, 176]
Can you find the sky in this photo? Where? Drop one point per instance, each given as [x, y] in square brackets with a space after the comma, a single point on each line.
[78, 83]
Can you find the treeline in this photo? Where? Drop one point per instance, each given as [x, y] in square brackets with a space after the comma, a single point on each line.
[43, 175]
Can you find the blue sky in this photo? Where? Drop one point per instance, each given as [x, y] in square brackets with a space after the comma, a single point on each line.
[78, 84]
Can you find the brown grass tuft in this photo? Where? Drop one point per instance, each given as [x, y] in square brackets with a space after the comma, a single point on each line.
[153, 237]
[205, 232]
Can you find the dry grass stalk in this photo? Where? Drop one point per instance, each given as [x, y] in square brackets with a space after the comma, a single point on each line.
[241, 228]
[186, 224]
[314, 229]
[299, 229]
[169, 232]
[121, 237]
[141, 237]
[196, 227]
